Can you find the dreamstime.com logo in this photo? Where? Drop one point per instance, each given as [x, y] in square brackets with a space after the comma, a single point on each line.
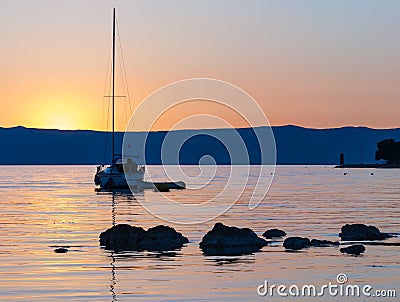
[340, 288]
[227, 100]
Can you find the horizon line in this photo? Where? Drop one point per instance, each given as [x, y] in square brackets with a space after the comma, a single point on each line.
[192, 129]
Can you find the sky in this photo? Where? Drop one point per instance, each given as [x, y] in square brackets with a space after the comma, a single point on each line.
[312, 63]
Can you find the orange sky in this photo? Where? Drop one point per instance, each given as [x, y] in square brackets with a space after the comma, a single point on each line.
[310, 63]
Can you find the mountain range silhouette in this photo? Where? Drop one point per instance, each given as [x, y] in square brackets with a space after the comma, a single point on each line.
[295, 145]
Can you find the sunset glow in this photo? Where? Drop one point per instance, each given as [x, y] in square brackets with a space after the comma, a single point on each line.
[324, 64]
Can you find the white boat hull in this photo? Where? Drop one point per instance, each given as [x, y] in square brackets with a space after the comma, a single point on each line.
[112, 178]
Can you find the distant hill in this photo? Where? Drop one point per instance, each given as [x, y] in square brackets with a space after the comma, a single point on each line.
[295, 145]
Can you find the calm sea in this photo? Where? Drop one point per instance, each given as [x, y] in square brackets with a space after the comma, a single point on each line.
[43, 207]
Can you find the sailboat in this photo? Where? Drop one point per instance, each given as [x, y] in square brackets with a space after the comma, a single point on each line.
[116, 174]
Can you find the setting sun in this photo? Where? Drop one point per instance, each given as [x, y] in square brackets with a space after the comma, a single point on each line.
[60, 121]
[60, 112]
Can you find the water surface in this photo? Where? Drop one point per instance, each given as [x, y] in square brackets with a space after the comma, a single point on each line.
[43, 207]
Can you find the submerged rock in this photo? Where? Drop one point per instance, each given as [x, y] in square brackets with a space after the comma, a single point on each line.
[355, 232]
[356, 249]
[323, 243]
[274, 233]
[226, 240]
[296, 243]
[123, 237]
[379, 243]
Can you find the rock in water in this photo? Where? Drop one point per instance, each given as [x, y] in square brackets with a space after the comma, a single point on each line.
[226, 240]
[353, 232]
[296, 243]
[61, 250]
[162, 238]
[274, 233]
[356, 249]
[323, 243]
[124, 237]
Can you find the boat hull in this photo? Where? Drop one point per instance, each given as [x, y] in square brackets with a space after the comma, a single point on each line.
[118, 180]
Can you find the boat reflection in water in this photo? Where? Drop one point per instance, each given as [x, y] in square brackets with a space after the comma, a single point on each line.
[123, 260]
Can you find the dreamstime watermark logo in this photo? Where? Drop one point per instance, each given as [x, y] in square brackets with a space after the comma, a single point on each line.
[340, 288]
[228, 103]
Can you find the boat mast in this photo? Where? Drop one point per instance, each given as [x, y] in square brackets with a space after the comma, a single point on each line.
[113, 82]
